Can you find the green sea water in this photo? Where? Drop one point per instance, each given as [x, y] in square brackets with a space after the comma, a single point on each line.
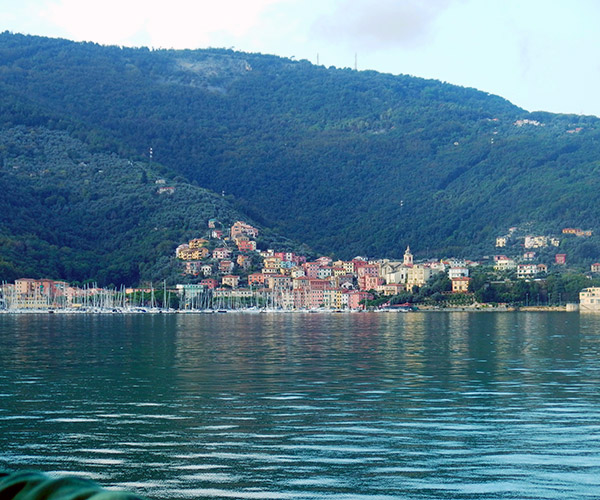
[307, 406]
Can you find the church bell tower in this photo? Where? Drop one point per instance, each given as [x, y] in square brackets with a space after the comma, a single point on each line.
[408, 257]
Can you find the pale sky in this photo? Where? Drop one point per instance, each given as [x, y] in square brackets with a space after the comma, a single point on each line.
[538, 54]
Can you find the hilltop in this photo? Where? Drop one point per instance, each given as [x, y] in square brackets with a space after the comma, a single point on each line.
[347, 162]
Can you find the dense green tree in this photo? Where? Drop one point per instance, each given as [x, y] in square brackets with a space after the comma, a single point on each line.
[348, 162]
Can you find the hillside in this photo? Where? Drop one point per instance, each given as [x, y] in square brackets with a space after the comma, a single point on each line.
[347, 162]
[71, 214]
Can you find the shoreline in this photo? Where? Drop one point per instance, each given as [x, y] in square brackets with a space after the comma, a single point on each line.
[422, 309]
[496, 309]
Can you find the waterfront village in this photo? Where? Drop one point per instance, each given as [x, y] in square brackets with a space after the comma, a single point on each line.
[228, 272]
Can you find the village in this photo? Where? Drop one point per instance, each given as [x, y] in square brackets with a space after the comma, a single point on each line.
[225, 271]
[291, 282]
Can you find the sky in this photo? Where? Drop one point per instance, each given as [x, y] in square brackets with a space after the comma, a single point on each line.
[538, 54]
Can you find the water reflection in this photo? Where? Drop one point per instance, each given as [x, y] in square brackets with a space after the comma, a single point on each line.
[424, 405]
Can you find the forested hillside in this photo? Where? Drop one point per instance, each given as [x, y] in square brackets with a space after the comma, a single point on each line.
[348, 162]
[67, 213]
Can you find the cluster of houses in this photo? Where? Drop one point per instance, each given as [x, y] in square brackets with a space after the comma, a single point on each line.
[524, 266]
[581, 233]
[43, 293]
[229, 267]
[292, 282]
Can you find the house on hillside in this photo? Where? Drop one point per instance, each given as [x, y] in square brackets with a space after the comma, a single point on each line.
[461, 284]
[221, 253]
[324, 261]
[226, 266]
[244, 261]
[184, 252]
[311, 269]
[246, 245]
[418, 275]
[505, 264]
[527, 270]
[198, 243]
[210, 283]
[192, 267]
[231, 280]
[458, 272]
[536, 241]
[256, 279]
[501, 241]
[240, 228]
[324, 272]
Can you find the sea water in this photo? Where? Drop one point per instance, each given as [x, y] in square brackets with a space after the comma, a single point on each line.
[307, 406]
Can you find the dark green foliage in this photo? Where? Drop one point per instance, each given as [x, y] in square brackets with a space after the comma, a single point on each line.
[71, 214]
[347, 162]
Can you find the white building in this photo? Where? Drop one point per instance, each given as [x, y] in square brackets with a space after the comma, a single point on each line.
[505, 264]
[536, 241]
[458, 272]
[526, 270]
[589, 299]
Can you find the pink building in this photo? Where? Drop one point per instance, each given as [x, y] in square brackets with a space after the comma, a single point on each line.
[210, 283]
[324, 261]
[355, 297]
[226, 266]
[367, 282]
[315, 298]
[311, 269]
[285, 256]
[256, 279]
[241, 228]
[317, 284]
[246, 245]
[368, 270]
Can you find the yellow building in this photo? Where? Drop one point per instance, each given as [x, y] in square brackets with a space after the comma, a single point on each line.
[417, 275]
[348, 266]
[272, 263]
[198, 243]
[332, 299]
[461, 284]
[192, 254]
